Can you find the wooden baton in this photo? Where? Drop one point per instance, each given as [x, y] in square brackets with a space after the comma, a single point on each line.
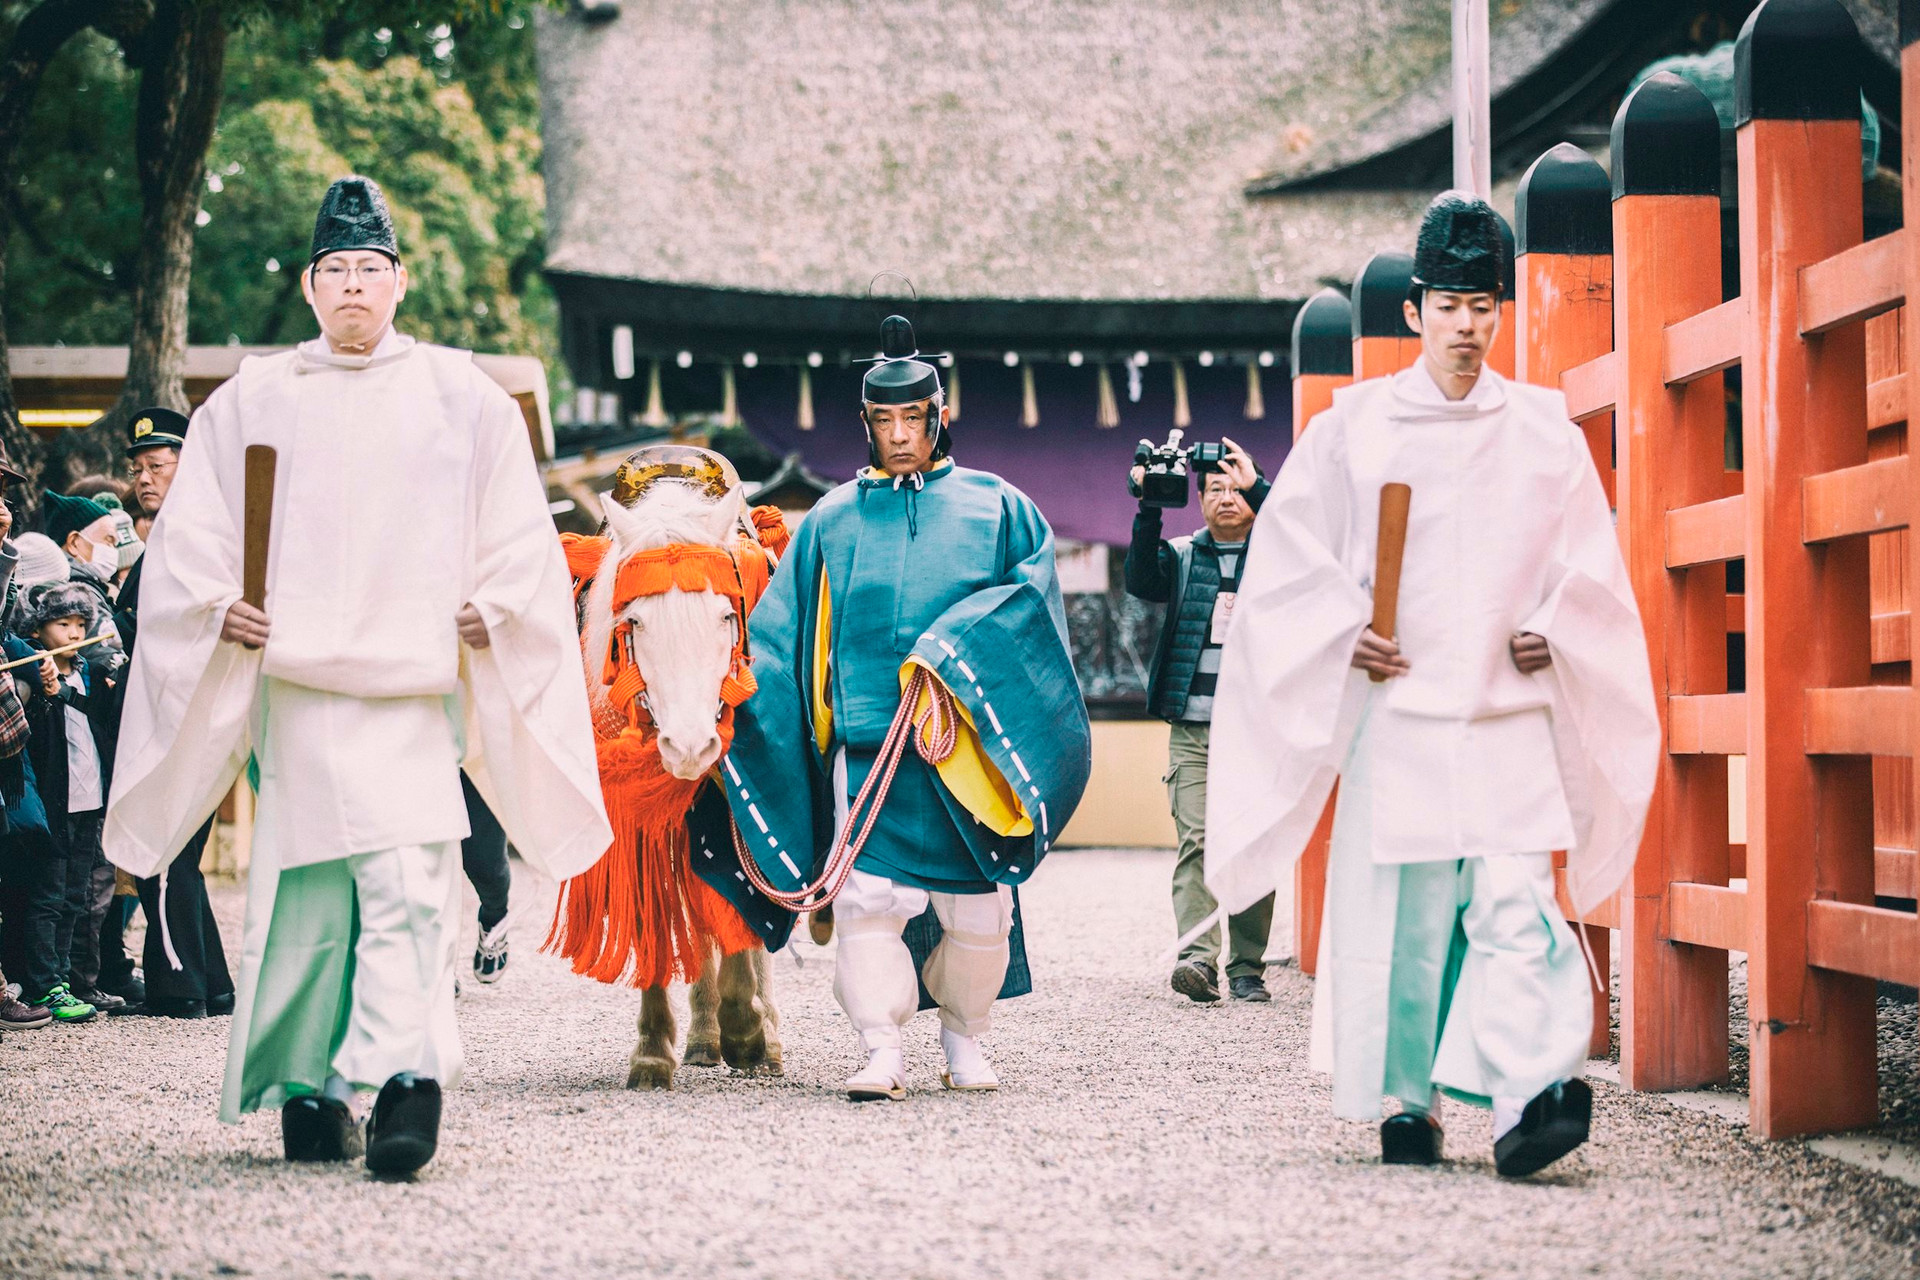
[1394, 501]
[255, 536]
[53, 653]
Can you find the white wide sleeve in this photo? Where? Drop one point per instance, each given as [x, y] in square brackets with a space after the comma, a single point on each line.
[530, 746]
[185, 728]
[1606, 729]
[1288, 697]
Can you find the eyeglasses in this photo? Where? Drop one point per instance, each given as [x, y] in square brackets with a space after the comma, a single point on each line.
[156, 468]
[370, 273]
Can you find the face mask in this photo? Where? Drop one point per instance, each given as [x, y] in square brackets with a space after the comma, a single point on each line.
[104, 557]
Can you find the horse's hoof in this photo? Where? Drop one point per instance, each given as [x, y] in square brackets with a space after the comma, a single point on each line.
[746, 1054]
[702, 1053]
[651, 1073]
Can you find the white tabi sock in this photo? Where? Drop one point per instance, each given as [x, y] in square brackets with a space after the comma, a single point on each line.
[1506, 1114]
[967, 1066]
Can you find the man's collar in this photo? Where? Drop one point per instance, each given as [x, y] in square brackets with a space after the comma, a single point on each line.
[878, 475]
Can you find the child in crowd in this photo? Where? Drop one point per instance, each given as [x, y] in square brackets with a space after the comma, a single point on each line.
[71, 753]
[20, 868]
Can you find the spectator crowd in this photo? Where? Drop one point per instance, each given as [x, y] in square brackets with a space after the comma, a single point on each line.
[67, 629]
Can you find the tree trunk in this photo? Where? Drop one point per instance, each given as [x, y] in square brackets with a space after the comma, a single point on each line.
[179, 104]
[40, 35]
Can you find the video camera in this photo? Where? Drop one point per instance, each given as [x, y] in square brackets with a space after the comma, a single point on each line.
[1169, 466]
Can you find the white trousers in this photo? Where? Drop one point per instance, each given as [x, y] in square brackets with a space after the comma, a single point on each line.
[873, 974]
[401, 1013]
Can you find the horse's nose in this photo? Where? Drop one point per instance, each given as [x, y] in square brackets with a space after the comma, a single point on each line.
[684, 760]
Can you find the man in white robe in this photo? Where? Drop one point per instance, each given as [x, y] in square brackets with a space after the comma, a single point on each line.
[417, 619]
[1514, 717]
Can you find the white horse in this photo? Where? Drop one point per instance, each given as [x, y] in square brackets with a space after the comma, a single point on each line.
[683, 642]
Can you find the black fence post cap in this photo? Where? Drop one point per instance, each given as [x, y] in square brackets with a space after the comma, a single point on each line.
[1797, 60]
[1323, 335]
[1564, 204]
[1507, 239]
[1666, 141]
[1378, 291]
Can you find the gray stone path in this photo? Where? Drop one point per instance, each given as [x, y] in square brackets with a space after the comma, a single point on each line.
[1137, 1135]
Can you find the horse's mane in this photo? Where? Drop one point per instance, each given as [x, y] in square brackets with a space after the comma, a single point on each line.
[666, 514]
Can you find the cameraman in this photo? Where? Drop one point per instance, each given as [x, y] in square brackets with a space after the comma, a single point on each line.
[1197, 579]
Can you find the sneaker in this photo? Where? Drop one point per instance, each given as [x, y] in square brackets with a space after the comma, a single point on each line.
[99, 999]
[1197, 981]
[64, 1007]
[490, 956]
[1249, 987]
[15, 1016]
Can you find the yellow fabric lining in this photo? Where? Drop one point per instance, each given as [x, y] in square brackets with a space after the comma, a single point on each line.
[822, 699]
[969, 773]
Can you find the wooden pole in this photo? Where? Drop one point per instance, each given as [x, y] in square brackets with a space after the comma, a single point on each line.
[1666, 269]
[1563, 278]
[255, 537]
[1389, 550]
[1322, 363]
[1809, 818]
[1472, 114]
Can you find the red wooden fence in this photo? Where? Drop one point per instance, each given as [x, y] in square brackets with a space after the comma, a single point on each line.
[1626, 314]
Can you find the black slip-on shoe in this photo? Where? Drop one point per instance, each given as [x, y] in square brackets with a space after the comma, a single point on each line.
[1410, 1139]
[316, 1128]
[1556, 1121]
[404, 1128]
[1251, 988]
[1196, 981]
[220, 1006]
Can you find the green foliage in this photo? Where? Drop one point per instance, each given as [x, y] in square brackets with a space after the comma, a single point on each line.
[435, 100]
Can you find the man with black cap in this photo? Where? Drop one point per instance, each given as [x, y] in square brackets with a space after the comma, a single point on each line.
[417, 621]
[1510, 714]
[184, 960]
[918, 601]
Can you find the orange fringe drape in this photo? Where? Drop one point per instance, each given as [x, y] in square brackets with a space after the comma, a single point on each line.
[641, 915]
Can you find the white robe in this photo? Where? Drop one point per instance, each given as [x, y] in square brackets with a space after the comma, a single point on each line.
[406, 488]
[1509, 531]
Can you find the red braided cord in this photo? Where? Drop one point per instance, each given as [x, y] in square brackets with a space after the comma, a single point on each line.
[938, 734]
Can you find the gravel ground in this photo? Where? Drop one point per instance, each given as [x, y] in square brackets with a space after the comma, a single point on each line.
[1136, 1135]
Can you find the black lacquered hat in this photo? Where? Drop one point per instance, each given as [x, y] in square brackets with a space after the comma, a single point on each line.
[1462, 247]
[353, 215]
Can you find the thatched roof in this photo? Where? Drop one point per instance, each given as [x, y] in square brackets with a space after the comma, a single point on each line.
[998, 149]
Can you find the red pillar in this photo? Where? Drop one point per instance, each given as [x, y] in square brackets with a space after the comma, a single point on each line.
[1666, 265]
[1809, 818]
[1322, 363]
[1563, 280]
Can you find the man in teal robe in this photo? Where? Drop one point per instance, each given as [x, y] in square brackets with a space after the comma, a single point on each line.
[916, 564]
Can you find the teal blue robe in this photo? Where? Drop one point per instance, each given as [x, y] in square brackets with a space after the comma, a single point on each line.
[957, 575]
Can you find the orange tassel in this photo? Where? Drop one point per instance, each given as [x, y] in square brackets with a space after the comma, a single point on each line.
[640, 914]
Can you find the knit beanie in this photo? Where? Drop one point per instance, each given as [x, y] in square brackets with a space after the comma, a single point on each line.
[64, 514]
[50, 600]
[124, 537]
[41, 560]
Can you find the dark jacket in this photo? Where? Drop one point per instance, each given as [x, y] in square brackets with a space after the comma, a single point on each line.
[47, 749]
[1184, 575]
[126, 610]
